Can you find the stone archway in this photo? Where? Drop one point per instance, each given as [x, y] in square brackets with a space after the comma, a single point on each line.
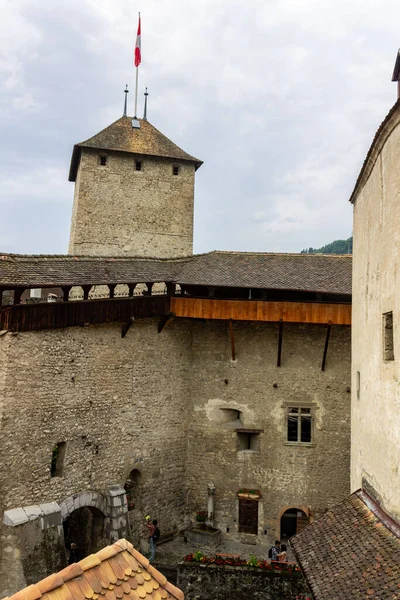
[292, 520]
[89, 499]
[85, 522]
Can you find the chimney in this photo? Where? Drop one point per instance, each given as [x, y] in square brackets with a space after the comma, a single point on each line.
[396, 73]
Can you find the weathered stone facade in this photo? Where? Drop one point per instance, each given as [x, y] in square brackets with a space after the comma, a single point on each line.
[152, 402]
[376, 280]
[119, 211]
[310, 478]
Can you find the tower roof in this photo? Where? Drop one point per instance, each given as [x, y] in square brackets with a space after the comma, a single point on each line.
[122, 137]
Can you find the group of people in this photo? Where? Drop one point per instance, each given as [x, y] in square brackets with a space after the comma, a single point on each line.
[278, 552]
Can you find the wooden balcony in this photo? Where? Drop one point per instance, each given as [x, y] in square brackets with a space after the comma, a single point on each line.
[259, 310]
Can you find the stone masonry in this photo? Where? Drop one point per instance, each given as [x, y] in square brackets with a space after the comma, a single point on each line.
[120, 211]
[152, 402]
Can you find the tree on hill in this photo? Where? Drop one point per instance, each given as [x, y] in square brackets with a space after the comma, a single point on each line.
[336, 247]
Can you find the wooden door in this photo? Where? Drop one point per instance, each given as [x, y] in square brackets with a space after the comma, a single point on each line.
[248, 516]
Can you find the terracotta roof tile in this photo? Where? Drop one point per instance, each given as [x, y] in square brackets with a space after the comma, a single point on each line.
[105, 575]
[120, 136]
[324, 273]
[51, 582]
[352, 552]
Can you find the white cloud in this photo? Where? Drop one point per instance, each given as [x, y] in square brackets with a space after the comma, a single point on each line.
[280, 98]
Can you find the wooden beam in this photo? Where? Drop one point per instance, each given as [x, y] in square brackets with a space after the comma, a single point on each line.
[328, 334]
[165, 321]
[66, 290]
[278, 363]
[131, 287]
[233, 352]
[17, 295]
[86, 289]
[171, 287]
[126, 327]
[259, 310]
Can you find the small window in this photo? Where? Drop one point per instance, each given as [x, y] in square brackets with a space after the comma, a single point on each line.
[57, 460]
[299, 425]
[388, 347]
[248, 440]
[175, 170]
[103, 161]
[138, 165]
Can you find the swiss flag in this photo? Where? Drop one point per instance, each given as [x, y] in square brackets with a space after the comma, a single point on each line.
[138, 54]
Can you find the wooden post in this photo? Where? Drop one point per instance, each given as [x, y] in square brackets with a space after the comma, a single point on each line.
[171, 288]
[111, 287]
[131, 287]
[1, 296]
[66, 290]
[328, 334]
[149, 288]
[86, 289]
[278, 364]
[232, 339]
[17, 295]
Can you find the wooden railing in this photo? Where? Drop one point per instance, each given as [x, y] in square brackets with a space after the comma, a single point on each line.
[260, 310]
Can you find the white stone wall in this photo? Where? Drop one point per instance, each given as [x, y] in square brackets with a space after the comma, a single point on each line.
[119, 211]
[376, 284]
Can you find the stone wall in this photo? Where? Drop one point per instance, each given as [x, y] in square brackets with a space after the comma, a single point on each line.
[119, 404]
[120, 211]
[376, 280]
[202, 582]
[311, 478]
[152, 402]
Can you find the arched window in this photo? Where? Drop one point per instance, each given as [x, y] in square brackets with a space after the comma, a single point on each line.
[293, 521]
[133, 488]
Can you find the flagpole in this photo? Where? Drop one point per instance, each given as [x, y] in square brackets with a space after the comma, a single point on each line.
[136, 91]
[138, 43]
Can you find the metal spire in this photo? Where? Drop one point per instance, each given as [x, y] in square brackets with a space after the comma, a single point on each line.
[126, 92]
[145, 106]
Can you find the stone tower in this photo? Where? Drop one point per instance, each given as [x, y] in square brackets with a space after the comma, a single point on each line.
[134, 194]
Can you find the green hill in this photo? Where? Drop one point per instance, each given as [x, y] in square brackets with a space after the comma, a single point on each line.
[336, 247]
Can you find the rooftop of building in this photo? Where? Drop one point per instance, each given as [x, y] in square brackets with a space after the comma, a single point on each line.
[117, 572]
[320, 273]
[391, 121]
[120, 136]
[352, 552]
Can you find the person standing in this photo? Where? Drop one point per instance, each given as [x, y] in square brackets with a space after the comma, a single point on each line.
[274, 550]
[152, 531]
[282, 556]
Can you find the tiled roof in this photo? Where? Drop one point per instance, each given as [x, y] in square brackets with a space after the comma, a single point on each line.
[383, 132]
[117, 572]
[301, 272]
[122, 137]
[351, 553]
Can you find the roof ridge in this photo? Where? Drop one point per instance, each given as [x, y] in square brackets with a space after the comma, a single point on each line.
[77, 570]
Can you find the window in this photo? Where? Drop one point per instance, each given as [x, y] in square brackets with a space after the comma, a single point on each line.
[299, 425]
[248, 440]
[138, 165]
[388, 347]
[103, 161]
[57, 460]
[175, 170]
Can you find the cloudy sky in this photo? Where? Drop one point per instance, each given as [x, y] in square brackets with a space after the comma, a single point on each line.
[280, 98]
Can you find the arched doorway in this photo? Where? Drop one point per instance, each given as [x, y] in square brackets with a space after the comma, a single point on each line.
[293, 520]
[85, 528]
[134, 499]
